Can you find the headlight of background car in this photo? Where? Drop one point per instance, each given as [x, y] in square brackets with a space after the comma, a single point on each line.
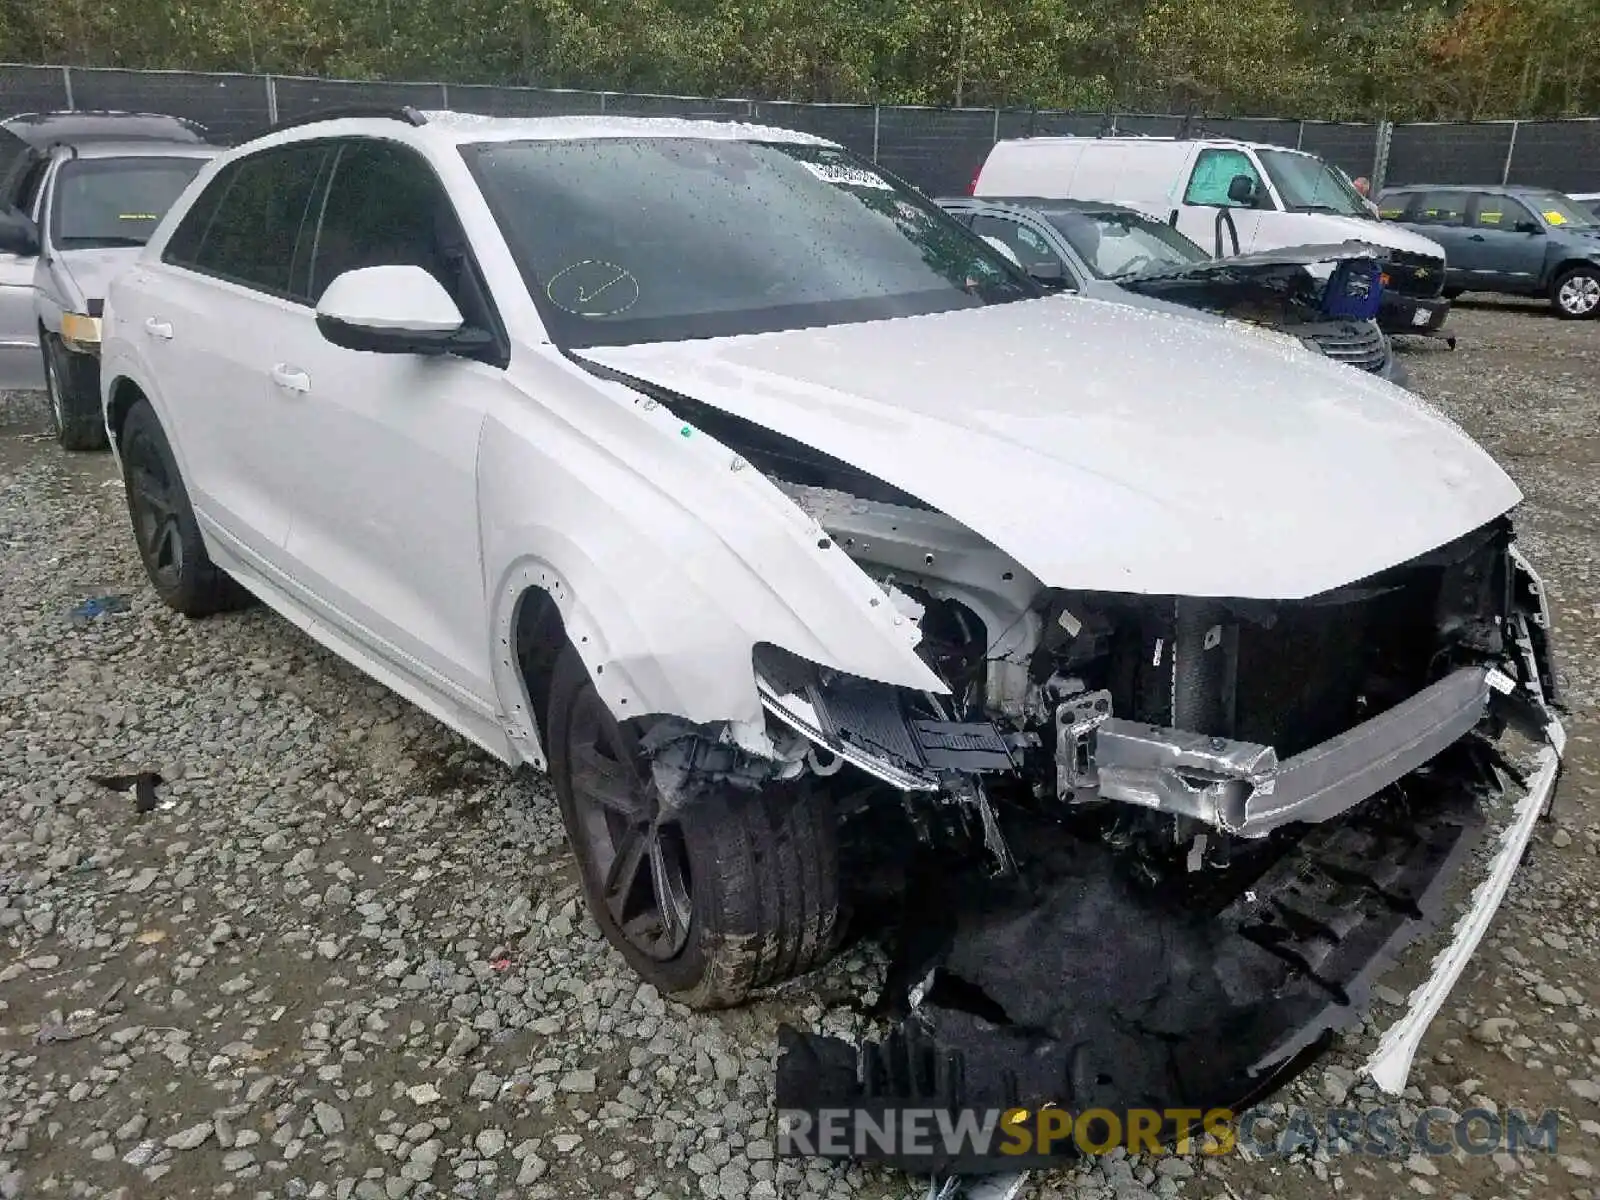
[81, 333]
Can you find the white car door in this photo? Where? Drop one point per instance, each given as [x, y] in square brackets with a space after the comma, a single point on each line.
[383, 482]
[209, 318]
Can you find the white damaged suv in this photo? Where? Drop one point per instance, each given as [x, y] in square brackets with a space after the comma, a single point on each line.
[728, 480]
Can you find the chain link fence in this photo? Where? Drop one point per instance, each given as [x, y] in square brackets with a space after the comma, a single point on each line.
[938, 149]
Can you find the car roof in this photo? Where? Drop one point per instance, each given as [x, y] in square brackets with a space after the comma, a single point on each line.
[45, 129]
[1044, 204]
[142, 149]
[1492, 189]
[1148, 140]
[457, 128]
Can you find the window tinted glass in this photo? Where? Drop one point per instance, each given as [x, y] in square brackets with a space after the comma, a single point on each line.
[1500, 212]
[643, 239]
[115, 201]
[1030, 248]
[251, 236]
[1440, 208]
[1114, 244]
[1214, 171]
[385, 207]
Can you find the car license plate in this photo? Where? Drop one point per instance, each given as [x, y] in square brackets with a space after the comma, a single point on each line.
[1421, 317]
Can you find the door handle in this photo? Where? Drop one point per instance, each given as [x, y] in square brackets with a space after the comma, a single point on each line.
[291, 379]
[160, 329]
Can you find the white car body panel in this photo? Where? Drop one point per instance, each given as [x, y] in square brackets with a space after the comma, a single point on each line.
[1211, 463]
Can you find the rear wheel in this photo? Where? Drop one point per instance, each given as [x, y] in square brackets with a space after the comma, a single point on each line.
[707, 895]
[72, 382]
[1576, 294]
[168, 536]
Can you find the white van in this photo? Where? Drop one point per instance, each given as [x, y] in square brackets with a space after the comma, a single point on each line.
[1275, 198]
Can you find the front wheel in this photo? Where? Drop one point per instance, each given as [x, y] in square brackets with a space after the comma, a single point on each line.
[707, 894]
[168, 536]
[1576, 294]
[72, 382]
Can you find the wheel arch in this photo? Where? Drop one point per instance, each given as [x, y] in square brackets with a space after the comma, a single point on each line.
[121, 395]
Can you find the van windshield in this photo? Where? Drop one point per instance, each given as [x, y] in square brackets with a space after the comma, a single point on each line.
[1308, 184]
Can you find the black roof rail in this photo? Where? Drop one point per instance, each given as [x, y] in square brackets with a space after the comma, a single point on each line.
[404, 112]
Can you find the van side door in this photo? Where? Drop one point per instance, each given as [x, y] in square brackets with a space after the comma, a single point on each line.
[21, 366]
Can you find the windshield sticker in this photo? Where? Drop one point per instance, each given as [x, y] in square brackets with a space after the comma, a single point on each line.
[1554, 217]
[845, 175]
[137, 217]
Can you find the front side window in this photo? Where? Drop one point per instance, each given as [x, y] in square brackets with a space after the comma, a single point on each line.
[99, 202]
[626, 240]
[244, 227]
[384, 208]
[1117, 244]
[1030, 247]
[1214, 171]
[1500, 212]
[1307, 184]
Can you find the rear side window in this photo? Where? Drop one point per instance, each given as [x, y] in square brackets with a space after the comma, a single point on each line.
[1439, 208]
[252, 226]
[1214, 171]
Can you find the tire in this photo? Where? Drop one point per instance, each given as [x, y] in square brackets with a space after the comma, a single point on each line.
[168, 537]
[72, 383]
[752, 877]
[1575, 295]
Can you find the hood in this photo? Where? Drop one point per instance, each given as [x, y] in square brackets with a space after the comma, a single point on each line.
[1378, 233]
[1111, 448]
[1263, 263]
[90, 272]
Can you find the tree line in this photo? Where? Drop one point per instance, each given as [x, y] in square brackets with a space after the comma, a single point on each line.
[1335, 59]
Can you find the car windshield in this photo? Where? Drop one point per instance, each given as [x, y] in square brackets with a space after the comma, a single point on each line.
[1560, 211]
[103, 202]
[624, 240]
[1308, 184]
[1116, 245]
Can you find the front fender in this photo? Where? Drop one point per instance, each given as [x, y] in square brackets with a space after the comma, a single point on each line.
[668, 558]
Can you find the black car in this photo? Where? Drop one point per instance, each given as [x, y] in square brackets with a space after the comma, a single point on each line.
[1521, 241]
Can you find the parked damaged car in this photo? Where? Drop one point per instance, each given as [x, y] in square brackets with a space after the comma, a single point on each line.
[1159, 669]
[1325, 296]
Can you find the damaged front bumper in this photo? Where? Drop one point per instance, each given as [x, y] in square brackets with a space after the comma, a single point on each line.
[1075, 988]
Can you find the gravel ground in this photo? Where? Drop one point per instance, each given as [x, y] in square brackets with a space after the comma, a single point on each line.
[345, 953]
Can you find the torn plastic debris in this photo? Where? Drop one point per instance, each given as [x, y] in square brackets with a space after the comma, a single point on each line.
[97, 606]
[1079, 985]
[142, 783]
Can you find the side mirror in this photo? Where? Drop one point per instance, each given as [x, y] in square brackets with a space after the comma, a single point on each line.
[394, 310]
[1527, 227]
[1242, 191]
[18, 234]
